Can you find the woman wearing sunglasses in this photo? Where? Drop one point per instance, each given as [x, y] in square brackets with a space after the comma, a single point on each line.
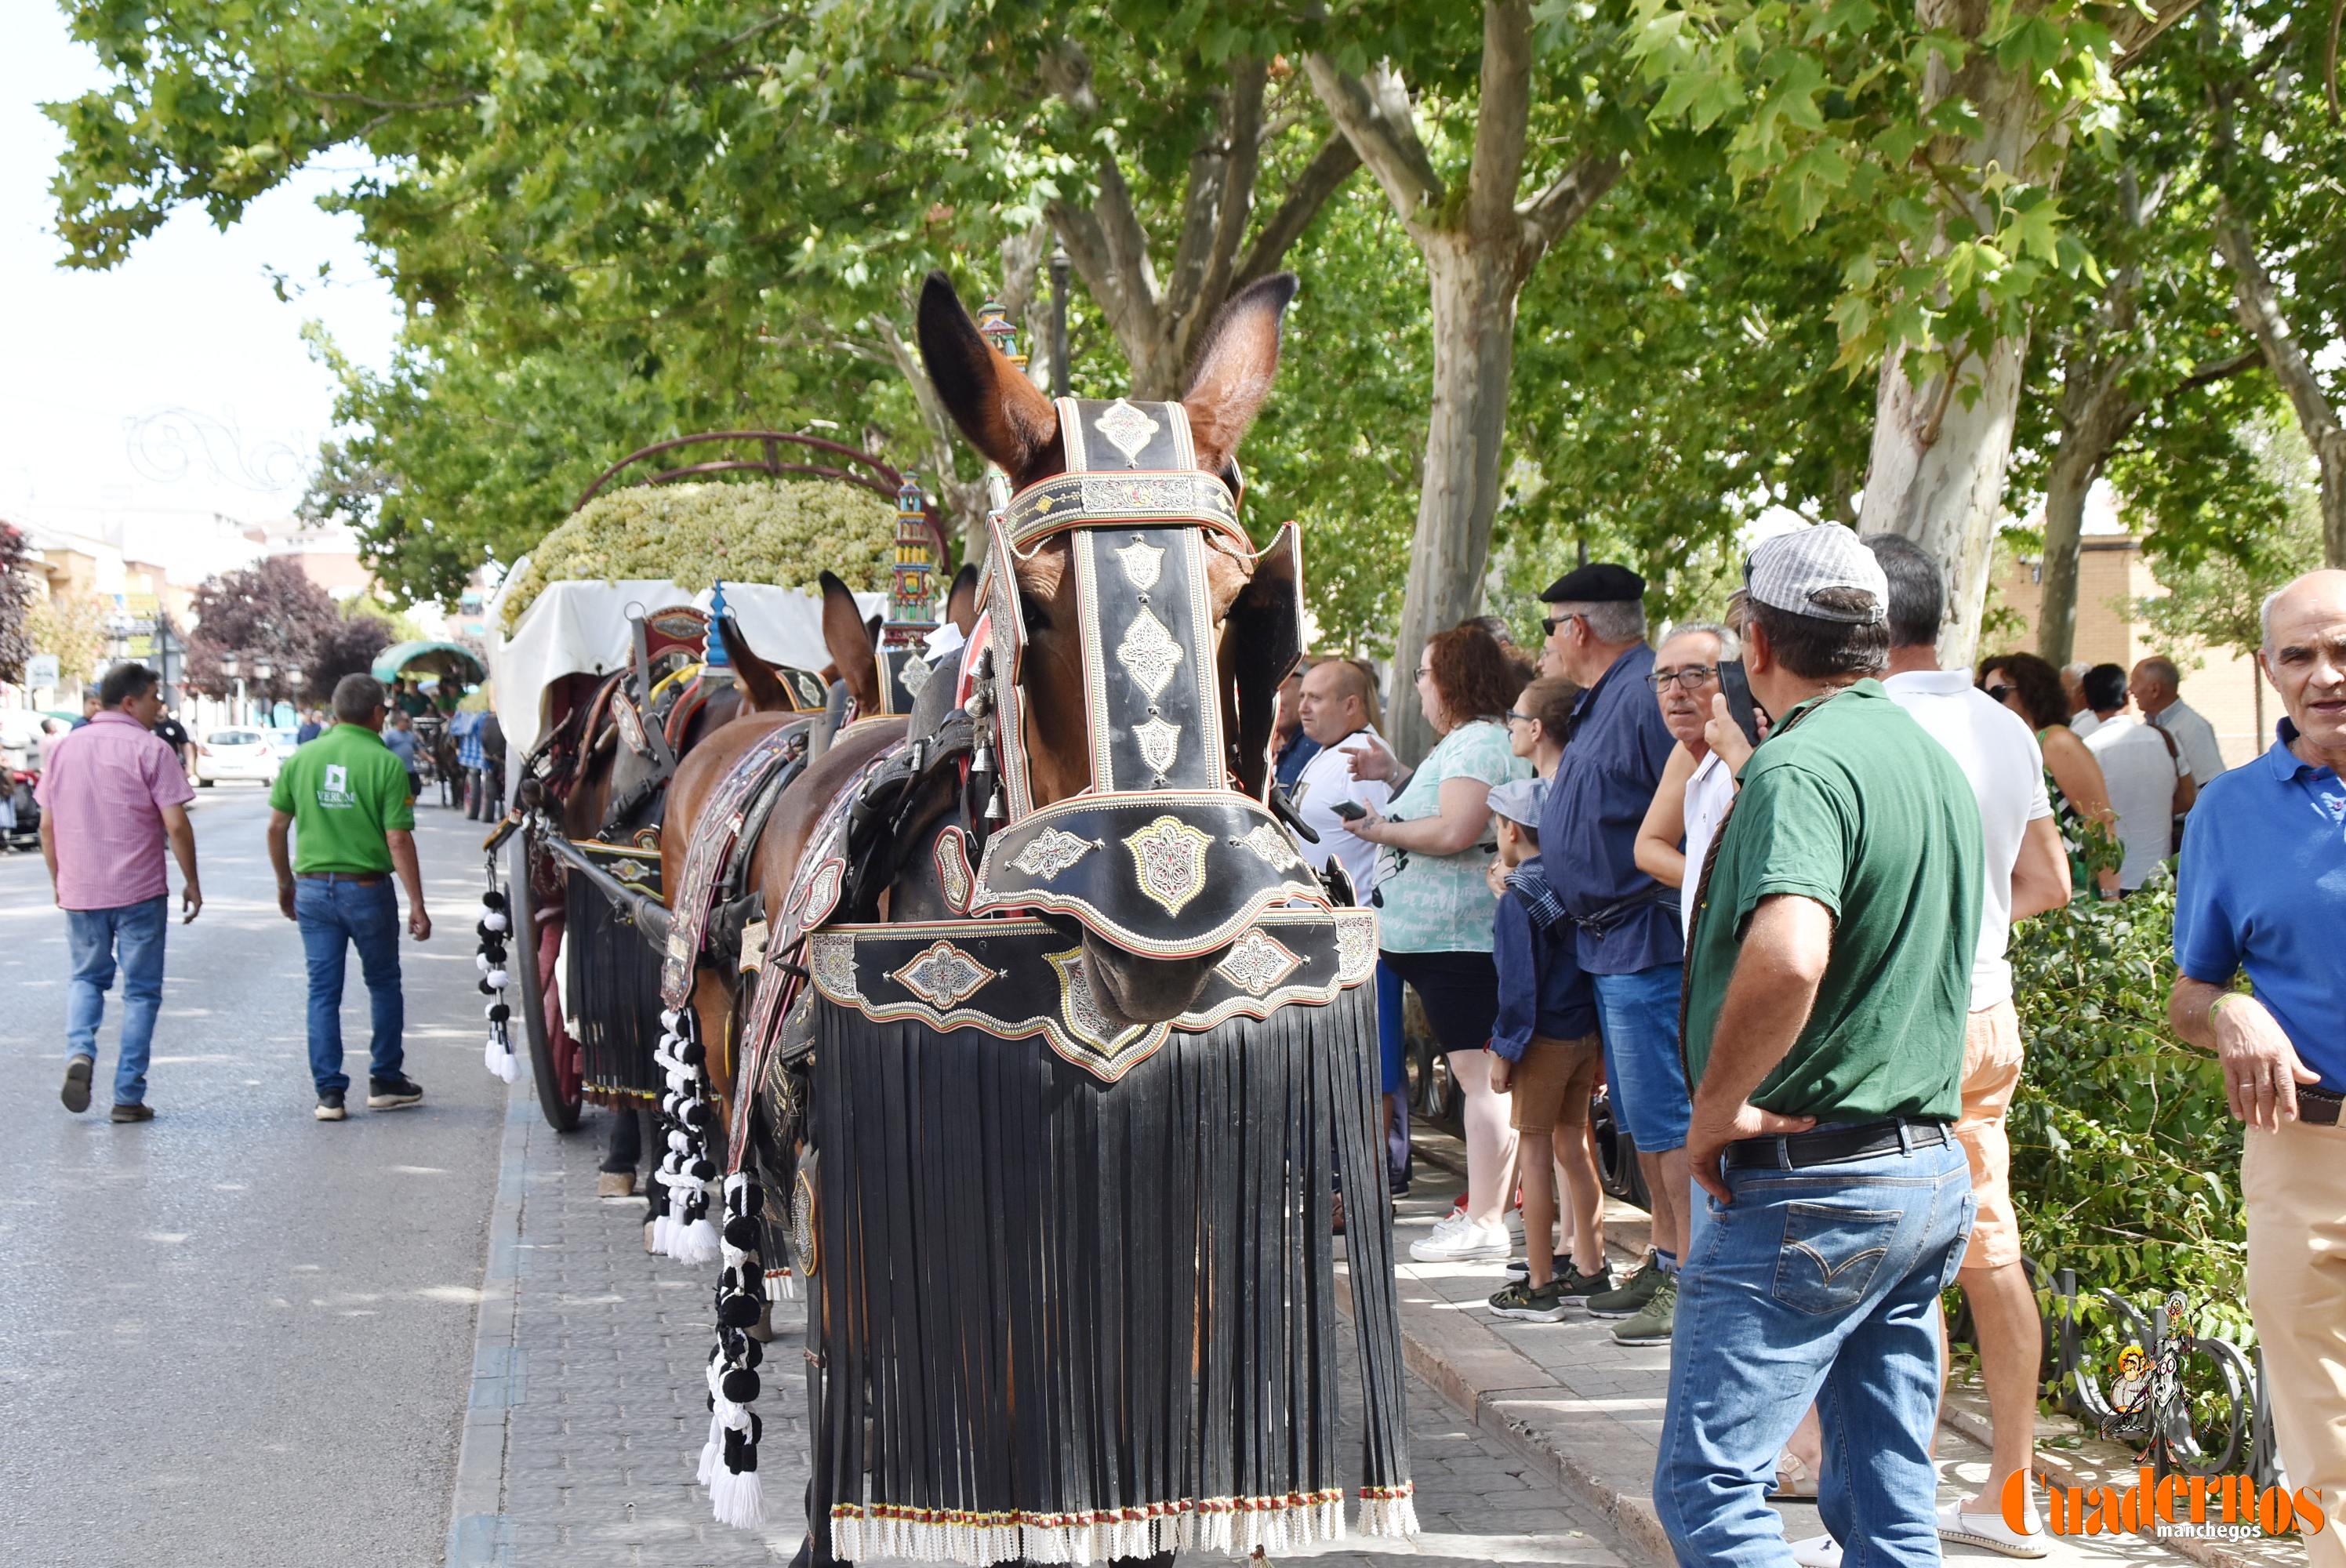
[2081, 797]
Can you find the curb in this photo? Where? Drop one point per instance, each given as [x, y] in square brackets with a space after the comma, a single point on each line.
[477, 1536]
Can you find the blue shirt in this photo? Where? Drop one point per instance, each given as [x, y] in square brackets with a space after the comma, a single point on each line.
[1588, 826]
[2262, 887]
[402, 743]
[1289, 765]
[466, 729]
[1542, 988]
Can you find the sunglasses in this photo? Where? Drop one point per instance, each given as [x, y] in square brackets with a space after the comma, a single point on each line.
[2001, 693]
[1549, 623]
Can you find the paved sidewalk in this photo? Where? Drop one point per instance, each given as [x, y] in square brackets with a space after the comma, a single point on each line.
[587, 1413]
[1587, 1413]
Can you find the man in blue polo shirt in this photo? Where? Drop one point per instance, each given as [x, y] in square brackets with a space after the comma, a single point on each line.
[1629, 938]
[2262, 889]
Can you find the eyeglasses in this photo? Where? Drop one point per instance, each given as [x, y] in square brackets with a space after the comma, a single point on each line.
[1688, 678]
[1515, 718]
[1549, 623]
[1423, 671]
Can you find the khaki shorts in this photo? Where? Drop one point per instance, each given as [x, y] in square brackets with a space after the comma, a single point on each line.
[1992, 1057]
[1552, 1083]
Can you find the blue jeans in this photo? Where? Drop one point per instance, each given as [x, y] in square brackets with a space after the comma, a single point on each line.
[1819, 1284]
[93, 939]
[1644, 1073]
[367, 918]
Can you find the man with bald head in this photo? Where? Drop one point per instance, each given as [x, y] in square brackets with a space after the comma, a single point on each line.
[2157, 687]
[2263, 892]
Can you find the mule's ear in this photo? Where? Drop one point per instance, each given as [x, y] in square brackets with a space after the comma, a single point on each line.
[762, 690]
[1231, 375]
[850, 644]
[961, 600]
[1003, 414]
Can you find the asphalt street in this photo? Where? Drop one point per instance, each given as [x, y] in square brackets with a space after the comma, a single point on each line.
[236, 1335]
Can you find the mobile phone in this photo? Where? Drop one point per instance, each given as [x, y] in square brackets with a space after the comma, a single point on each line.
[1350, 810]
[1738, 686]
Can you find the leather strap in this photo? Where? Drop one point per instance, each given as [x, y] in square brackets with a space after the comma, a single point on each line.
[2319, 1107]
[1834, 1145]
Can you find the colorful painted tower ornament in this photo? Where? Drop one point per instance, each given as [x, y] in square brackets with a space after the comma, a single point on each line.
[994, 325]
[912, 592]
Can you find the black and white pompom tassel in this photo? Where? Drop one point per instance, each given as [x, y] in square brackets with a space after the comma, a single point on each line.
[497, 977]
[729, 1460]
[683, 1230]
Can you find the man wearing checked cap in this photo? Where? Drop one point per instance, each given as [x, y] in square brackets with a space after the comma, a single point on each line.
[1828, 986]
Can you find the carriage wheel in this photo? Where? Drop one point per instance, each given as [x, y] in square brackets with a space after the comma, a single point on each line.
[559, 1083]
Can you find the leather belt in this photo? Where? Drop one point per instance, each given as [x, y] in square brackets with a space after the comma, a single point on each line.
[1832, 1145]
[2319, 1107]
[356, 879]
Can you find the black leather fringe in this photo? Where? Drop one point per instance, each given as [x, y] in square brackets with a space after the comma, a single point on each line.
[1067, 1321]
[611, 984]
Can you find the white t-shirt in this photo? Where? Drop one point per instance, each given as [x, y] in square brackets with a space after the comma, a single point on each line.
[2085, 723]
[2141, 774]
[1709, 791]
[1999, 756]
[1326, 779]
[2195, 737]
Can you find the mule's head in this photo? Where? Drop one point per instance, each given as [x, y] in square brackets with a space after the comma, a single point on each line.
[1136, 641]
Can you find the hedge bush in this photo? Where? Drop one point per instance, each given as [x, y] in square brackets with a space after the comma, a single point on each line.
[786, 533]
[2125, 1163]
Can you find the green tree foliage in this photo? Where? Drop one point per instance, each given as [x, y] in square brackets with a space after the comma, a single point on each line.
[72, 627]
[271, 612]
[691, 534]
[2124, 1162]
[16, 603]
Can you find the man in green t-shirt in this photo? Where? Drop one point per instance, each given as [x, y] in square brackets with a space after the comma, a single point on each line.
[344, 798]
[1828, 987]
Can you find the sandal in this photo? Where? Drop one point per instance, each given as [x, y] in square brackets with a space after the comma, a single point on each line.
[1795, 1482]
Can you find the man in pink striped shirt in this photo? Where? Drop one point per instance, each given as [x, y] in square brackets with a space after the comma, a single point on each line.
[112, 794]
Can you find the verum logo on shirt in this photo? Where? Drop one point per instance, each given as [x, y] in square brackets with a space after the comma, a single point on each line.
[336, 790]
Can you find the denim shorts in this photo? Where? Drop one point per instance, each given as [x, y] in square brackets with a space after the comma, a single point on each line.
[1646, 1076]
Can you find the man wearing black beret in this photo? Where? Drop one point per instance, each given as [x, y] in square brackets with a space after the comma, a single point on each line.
[1627, 923]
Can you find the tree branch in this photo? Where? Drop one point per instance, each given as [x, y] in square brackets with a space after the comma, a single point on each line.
[1373, 114]
[392, 106]
[1219, 198]
[1501, 116]
[2135, 33]
[1321, 179]
[2218, 370]
[1567, 200]
[2260, 311]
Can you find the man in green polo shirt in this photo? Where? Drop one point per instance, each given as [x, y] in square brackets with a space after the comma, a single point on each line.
[1828, 989]
[344, 798]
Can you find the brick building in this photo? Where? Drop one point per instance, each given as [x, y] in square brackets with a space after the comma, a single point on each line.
[2112, 574]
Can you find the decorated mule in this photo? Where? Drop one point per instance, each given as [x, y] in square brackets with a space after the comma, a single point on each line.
[1043, 1049]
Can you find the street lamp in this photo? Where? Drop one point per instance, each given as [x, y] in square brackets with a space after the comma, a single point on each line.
[232, 669]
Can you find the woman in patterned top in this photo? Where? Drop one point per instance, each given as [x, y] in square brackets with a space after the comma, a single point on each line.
[1434, 905]
[2081, 797]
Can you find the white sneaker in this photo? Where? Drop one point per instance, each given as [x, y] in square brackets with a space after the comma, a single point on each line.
[1817, 1551]
[1990, 1530]
[1465, 1242]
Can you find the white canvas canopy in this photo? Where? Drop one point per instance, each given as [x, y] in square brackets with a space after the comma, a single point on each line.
[574, 626]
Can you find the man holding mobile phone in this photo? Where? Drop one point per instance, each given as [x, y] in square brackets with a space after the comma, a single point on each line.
[1326, 795]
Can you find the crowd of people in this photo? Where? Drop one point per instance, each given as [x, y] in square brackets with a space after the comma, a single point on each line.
[1759, 881]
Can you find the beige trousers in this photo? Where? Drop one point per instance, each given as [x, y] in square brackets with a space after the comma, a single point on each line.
[2294, 1182]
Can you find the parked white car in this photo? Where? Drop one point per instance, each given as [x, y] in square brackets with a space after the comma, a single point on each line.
[237, 754]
